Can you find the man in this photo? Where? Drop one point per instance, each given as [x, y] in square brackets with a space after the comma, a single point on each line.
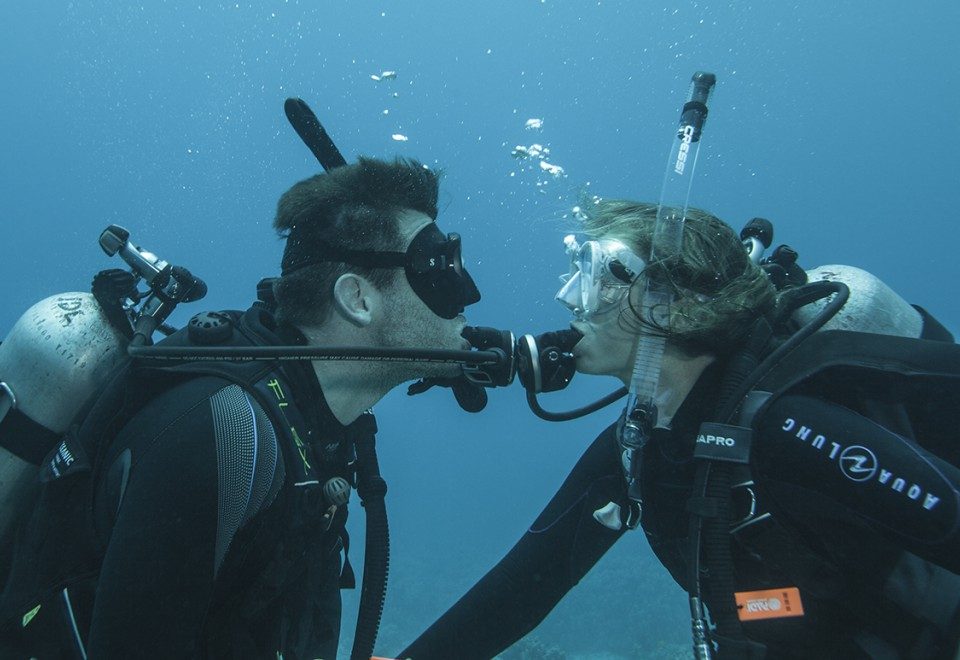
[218, 509]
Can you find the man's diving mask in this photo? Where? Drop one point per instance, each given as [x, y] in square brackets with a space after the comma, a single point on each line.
[601, 273]
[433, 265]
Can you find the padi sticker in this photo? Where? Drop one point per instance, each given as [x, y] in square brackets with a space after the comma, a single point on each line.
[768, 604]
[28, 617]
[722, 442]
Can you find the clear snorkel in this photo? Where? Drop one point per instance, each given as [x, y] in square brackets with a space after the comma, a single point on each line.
[640, 413]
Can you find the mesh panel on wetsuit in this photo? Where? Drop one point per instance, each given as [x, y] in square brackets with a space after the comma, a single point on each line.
[265, 487]
[243, 433]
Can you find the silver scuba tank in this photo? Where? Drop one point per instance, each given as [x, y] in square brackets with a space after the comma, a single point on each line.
[64, 349]
[56, 356]
[872, 307]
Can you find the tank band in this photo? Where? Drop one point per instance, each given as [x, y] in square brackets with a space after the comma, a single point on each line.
[25, 438]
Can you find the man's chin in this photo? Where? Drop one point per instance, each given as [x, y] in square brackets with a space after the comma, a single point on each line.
[439, 370]
[583, 363]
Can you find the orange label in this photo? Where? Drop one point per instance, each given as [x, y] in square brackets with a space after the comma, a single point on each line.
[768, 604]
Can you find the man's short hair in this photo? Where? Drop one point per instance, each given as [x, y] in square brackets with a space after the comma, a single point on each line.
[356, 207]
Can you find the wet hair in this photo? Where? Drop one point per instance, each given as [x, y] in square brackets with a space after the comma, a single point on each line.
[356, 206]
[718, 291]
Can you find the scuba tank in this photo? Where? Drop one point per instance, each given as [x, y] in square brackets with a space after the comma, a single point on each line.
[63, 351]
[873, 306]
[57, 355]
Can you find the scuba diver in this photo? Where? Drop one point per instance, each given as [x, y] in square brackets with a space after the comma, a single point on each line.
[788, 446]
[865, 558]
[196, 506]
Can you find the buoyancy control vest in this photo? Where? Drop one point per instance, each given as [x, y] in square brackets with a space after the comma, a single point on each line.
[39, 605]
[908, 387]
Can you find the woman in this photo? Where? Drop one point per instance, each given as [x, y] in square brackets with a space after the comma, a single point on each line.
[718, 295]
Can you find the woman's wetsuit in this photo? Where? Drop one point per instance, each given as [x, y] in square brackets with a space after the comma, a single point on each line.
[849, 607]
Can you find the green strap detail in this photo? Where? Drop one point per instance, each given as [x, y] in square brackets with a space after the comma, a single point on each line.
[28, 617]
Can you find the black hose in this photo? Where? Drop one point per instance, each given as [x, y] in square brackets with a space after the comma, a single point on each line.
[376, 559]
[360, 353]
[807, 294]
[575, 413]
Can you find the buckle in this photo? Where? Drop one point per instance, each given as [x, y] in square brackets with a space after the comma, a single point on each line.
[748, 497]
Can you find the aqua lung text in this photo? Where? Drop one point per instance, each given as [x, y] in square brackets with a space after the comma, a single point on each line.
[859, 464]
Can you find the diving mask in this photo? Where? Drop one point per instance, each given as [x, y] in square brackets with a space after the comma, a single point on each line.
[433, 265]
[601, 274]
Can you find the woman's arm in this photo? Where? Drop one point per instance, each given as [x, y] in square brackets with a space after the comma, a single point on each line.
[560, 547]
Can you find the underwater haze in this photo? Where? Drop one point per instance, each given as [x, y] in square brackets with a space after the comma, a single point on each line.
[837, 121]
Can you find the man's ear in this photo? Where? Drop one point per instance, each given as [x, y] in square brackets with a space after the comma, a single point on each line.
[354, 298]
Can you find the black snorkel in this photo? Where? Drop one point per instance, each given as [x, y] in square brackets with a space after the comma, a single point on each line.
[313, 134]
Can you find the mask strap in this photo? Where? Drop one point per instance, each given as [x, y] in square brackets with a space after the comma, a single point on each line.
[298, 255]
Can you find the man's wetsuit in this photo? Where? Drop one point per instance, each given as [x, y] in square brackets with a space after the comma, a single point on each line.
[851, 609]
[210, 549]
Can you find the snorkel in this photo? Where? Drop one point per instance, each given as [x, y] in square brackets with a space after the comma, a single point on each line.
[640, 413]
[545, 363]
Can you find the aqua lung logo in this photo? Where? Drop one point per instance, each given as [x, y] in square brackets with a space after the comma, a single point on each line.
[686, 138]
[859, 464]
[717, 440]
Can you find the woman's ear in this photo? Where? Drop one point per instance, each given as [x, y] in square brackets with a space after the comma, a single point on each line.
[354, 299]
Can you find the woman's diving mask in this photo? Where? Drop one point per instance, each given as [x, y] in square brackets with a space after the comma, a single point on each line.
[601, 273]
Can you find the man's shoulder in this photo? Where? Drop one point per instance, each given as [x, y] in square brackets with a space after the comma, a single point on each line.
[209, 415]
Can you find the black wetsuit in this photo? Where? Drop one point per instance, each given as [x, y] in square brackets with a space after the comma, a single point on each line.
[209, 549]
[851, 609]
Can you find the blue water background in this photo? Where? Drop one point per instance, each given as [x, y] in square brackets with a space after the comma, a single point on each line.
[838, 121]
